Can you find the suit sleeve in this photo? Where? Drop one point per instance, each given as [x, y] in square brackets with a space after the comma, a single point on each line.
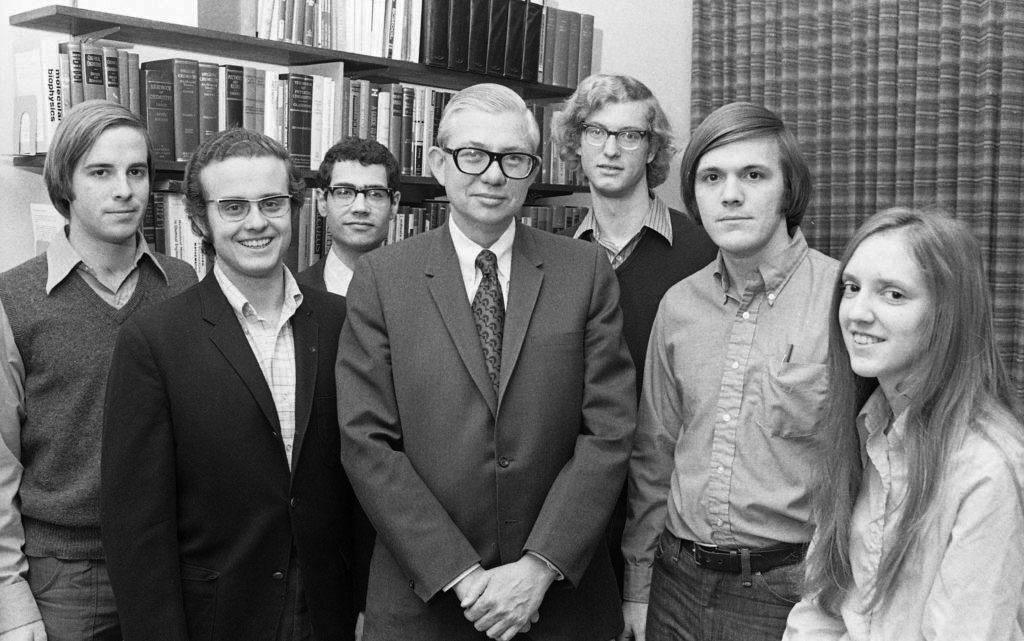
[575, 513]
[138, 497]
[408, 518]
[651, 463]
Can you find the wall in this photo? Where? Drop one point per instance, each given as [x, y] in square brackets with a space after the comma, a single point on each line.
[652, 44]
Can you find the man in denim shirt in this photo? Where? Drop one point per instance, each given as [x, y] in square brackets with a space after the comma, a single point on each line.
[720, 475]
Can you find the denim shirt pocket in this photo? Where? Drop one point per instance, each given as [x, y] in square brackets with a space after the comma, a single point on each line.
[793, 397]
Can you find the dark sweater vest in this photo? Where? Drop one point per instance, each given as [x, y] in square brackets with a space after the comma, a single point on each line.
[66, 340]
[647, 274]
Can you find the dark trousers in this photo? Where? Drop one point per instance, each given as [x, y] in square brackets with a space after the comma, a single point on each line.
[74, 598]
[691, 603]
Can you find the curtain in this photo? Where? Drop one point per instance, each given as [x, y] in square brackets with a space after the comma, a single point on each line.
[894, 102]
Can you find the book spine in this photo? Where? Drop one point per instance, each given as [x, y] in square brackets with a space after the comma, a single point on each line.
[234, 96]
[122, 76]
[209, 89]
[497, 38]
[408, 127]
[309, 22]
[111, 75]
[253, 96]
[156, 102]
[300, 114]
[458, 35]
[133, 83]
[573, 53]
[532, 40]
[434, 33]
[547, 75]
[65, 80]
[516, 39]
[479, 26]
[316, 126]
[186, 107]
[77, 72]
[586, 45]
[92, 73]
[560, 63]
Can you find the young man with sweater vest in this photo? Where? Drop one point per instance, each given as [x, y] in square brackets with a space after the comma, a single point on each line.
[358, 195]
[616, 131]
[59, 315]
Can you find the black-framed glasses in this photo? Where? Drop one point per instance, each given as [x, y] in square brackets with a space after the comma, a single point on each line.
[233, 210]
[473, 161]
[345, 195]
[626, 138]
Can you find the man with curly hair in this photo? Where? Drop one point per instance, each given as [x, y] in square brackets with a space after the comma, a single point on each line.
[616, 131]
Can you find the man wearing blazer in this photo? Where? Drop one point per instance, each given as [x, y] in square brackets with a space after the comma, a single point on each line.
[486, 402]
[358, 195]
[226, 513]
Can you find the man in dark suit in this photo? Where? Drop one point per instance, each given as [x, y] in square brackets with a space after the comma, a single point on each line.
[225, 511]
[358, 194]
[487, 405]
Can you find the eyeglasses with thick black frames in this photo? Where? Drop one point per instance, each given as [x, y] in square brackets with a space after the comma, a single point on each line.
[345, 195]
[515, 165]
[628, 139]
[233, 210]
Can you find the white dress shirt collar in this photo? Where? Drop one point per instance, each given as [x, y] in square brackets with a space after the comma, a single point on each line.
[467, 251]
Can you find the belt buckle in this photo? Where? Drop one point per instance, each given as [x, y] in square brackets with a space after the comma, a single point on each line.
[698, 550]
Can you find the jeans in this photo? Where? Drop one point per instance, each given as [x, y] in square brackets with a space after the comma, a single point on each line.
[75, 599]
[691, 603]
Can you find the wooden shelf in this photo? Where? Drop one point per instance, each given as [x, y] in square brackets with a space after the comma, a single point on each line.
[77, 22]
[173, 170]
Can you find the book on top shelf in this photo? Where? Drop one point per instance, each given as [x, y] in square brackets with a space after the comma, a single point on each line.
[532, 41]
[497, 38]
[156, 103]
[434, 33]
[111, 75]
[92, 72]
[209, 97]
[515, 39]
[458, 34]
[479, 27]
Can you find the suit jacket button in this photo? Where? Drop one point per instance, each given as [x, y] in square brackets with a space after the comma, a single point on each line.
[412, 585]
[294, 503]
[277, 576]
[504, 462]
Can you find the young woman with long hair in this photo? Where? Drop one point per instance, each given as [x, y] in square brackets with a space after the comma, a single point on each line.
[920, 509]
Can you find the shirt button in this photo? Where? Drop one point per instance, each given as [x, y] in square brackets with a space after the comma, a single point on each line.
[719, 522]
[771, 296]
[726, 417]
[746, 315]
[735, 364]
[721, 469]
[412, 585]
[277, 576]
[503, 462]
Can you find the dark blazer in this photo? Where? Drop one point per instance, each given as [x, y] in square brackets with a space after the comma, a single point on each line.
[313, 276]
[199, 508]
[451, 474]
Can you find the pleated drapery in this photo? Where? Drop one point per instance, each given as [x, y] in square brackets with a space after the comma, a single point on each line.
[895, 102]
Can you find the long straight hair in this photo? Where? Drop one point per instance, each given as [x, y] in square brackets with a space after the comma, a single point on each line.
[960, 386]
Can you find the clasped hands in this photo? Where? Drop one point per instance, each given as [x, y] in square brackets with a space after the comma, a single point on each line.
[504, 601]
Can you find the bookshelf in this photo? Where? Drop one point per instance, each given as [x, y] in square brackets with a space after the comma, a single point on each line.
[77, 22]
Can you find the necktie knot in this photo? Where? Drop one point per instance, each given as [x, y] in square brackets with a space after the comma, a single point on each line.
[487, 263]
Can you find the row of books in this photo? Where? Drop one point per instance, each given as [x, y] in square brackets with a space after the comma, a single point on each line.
[381, 28]
[168, 230]
[519, 39]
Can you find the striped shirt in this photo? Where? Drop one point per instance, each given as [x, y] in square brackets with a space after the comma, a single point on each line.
[273, 346]
[656, 219]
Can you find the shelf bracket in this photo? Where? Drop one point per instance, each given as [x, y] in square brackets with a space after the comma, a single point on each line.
[97, 35]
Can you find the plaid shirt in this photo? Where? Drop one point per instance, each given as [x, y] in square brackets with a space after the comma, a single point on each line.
[273, 346]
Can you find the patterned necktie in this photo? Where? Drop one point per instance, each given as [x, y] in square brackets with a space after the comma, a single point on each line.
[489, 313]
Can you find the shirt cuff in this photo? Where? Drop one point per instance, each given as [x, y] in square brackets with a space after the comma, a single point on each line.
[17, 606]
[551, 566]
[637, 583]
[456, 580]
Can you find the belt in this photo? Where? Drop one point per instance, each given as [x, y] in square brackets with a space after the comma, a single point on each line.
[732, 560]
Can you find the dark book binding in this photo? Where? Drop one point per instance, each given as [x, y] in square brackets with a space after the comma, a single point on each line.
[186, 103]
[516, 39]
[234, 96]
[497, 38]
[458, 35]
[156, 102]
[434, 33]
[299, 116]
[531, 43]
[479, 26]
[209, 89]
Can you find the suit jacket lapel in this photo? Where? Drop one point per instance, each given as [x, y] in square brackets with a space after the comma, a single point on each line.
[227, 335]
[524, 288]
[305, 331]
[449, 293]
